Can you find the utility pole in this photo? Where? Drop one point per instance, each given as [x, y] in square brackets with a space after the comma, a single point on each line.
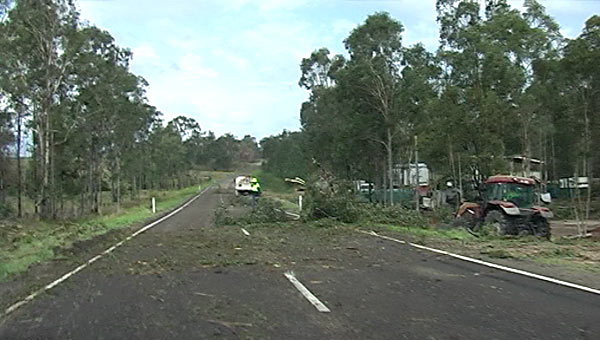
[417, 196]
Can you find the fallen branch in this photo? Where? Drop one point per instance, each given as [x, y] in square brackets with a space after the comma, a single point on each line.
[230, 324]
[571, 237]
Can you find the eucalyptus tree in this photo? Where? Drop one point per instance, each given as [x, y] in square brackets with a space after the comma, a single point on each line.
[13, 106]
[389, 85]
[376, 54]
[284, 154]
[581, 90]
[39, 32]
[493, 76]
[320, 116]
[101, 115]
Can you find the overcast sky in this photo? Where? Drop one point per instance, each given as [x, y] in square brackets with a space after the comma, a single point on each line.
[234, 65]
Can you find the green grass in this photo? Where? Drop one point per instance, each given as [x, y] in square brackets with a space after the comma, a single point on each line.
[272, 183]
[277, 189]
[285, 204]
[36, 241]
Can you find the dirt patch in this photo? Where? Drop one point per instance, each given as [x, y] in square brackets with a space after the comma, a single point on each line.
[568, 228]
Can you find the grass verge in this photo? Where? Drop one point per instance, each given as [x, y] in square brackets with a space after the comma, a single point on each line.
[583, 254]
[272, 183]
[23, 243]
[275, 188]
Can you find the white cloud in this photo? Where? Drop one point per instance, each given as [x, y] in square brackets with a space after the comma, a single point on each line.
[343, 26]
[286, 5]
[233, 65]
[233, 59]
[265, 5]
[191, 66]
[145, 52]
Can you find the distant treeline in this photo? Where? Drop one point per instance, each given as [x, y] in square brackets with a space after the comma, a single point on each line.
[501, 83]
[69, 102]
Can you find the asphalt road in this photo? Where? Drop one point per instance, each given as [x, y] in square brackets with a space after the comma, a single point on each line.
[187, 279]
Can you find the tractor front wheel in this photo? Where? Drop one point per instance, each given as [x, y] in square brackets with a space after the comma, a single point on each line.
[495, 224]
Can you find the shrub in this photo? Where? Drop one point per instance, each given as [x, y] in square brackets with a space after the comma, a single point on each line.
[5, 211]
[396, 215]
[264, 210]
[328, 198]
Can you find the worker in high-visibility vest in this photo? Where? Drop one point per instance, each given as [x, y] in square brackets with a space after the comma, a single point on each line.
[255, 186]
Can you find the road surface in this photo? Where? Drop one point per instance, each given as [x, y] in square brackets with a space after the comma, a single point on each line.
[188, 279]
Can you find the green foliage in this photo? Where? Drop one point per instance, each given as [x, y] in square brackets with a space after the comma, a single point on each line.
[98, 132]
[327, 222]
[444, 215]
[263, 210]
[394, 215]
[502, 83]
[21, 246]
[5, 211]
[266, 211]
[271, 182]
[328, 198]
[284, 155]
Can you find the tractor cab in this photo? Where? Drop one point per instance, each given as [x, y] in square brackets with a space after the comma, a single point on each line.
[519, 191]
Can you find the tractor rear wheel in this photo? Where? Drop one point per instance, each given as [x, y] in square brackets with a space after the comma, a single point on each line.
[495, 224]
[541, 227]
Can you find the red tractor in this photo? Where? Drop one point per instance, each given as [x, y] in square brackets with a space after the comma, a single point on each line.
[507, 207]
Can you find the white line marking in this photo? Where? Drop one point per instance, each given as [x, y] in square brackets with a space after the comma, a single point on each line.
[491, 265]
[292, 214]
[295, 216]
[245, 232]
[53, 284]
[307, 294]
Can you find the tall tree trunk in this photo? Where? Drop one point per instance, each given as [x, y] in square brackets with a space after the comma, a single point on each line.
[588, 163]
[588, 200]
[417, 180]
[35, 170]
[82, 201]
[2, 194]
[53, 190]
[99, 191]
[526, 165]
[132, 195]
[451, 160]
[554, 176]
[44, 158]
[383, 182]
[390, 165]
[19, 170]
[118, 185]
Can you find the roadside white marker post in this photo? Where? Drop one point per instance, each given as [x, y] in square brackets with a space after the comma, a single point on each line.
[153, 205]
[300, 202]
[307, 294]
